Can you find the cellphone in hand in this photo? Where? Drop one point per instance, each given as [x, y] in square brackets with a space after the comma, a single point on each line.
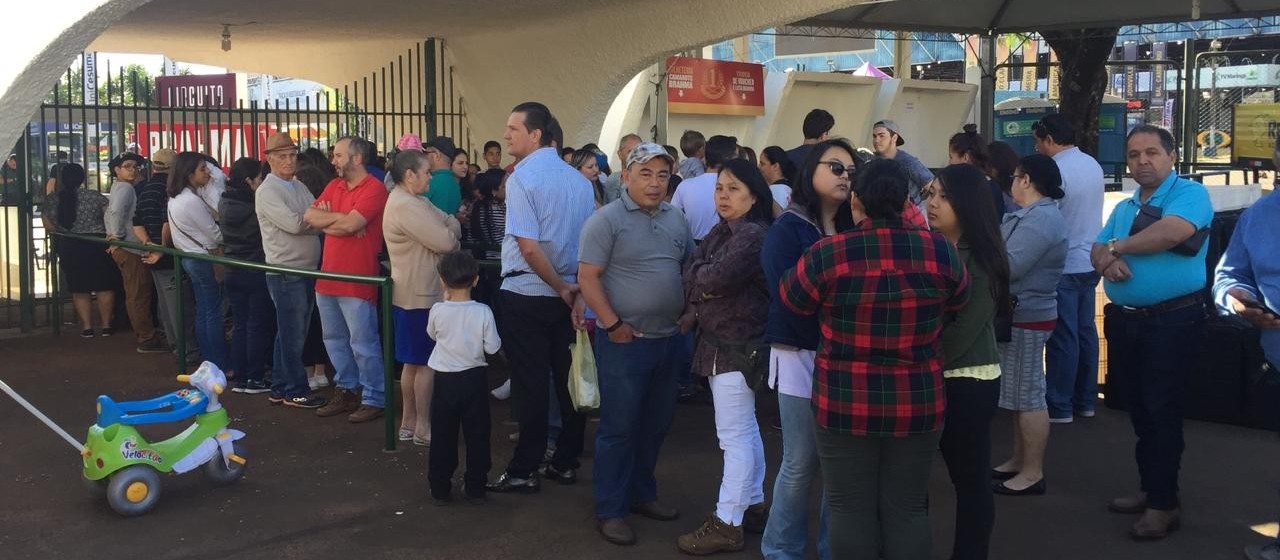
[1254, 304]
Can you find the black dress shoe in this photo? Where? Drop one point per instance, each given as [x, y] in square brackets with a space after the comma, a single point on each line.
[508, 483]
[1037, 489]
[1002, 475]
[562, 476]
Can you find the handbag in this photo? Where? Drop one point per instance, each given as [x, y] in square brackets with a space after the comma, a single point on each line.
[751, 357]
[1149, 214]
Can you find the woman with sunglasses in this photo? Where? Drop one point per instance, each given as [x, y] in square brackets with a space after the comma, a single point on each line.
[960, 208]
[816, 201]
[880, 291]
[1036, 239]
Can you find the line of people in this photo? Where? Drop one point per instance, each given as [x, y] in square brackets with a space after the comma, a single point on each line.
[893, 311]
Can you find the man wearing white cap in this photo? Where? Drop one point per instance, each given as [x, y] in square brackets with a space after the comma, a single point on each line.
[287, 240]
[886, 140]
[631, 254]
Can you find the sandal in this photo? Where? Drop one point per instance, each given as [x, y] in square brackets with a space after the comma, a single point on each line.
[421, 441]
[405, 435]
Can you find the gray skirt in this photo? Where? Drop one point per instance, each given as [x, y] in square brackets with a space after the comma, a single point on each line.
[1022, 381]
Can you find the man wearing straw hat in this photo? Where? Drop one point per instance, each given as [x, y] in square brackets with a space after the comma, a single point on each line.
[287, 240]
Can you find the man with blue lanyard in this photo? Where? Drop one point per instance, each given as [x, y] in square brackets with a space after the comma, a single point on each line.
[1151, 256]
[1247, 283]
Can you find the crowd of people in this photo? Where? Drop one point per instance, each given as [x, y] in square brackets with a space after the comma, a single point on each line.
[892, 310]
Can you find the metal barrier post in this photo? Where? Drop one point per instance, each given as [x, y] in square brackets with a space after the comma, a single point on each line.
[388, 365]
[181, 328]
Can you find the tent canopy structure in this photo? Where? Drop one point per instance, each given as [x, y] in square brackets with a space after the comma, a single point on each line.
[1009, 16]
[870, 71]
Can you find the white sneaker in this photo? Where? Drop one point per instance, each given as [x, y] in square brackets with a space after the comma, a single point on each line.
[502, 393]
[317, 382]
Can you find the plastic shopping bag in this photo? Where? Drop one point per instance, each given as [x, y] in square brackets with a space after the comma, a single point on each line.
[583, 387]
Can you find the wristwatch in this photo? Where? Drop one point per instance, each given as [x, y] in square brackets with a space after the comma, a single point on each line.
[615, 326]
[1111, 247]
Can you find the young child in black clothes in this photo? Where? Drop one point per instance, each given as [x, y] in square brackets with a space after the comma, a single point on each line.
[464, 331]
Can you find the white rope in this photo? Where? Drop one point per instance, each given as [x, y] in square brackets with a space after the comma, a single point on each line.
[40, 415]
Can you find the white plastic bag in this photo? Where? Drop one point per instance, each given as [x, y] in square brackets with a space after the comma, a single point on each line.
[583, 386]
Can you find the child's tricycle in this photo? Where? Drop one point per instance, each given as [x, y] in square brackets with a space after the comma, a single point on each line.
[118, 462]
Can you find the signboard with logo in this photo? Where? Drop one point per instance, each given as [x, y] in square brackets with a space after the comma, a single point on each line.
[189, 92]
[714, 87]
[1249, 75]
[1255, 127]
[90, 78]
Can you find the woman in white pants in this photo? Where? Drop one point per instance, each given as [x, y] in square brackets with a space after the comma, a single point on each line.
[725, 288]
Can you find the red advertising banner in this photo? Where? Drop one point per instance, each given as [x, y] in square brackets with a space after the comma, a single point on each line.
[714, 87]
[226, 142]
[207, 91]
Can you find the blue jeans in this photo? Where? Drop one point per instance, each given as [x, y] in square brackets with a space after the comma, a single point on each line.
[637, 401]
[255, 323]
[355, 350]
[293, 298]
[787, 533]
[209, 329]
[1071, 355]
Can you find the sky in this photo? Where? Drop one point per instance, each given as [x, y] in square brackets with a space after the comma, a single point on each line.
[152, 62]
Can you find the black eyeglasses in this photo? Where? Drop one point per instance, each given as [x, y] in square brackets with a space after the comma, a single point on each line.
[838, 168]
[1019, 176]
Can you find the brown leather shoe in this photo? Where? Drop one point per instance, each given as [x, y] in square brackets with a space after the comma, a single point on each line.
[343, 401]
[755, 518]
[1156, 523]
[1134, 503]
[364, 414]
[617, 531]
[713, 536]
[655, 510]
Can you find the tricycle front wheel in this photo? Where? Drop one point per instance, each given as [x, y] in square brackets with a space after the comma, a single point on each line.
[218, 471]
[134, 490]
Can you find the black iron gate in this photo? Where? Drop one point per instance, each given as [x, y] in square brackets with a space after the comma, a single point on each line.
[415, 92]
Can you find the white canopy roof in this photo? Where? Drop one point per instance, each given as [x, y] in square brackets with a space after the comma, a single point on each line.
[972, 16]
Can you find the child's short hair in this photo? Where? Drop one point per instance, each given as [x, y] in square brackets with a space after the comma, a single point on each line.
[458, 270]
[692, 142]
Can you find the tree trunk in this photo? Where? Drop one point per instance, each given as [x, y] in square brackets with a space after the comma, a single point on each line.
[1083, 54]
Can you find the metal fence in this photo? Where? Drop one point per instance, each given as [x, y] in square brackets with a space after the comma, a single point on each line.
[415, 92]
[1223, 80]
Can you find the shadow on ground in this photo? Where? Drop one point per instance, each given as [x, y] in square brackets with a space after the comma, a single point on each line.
[322, 488]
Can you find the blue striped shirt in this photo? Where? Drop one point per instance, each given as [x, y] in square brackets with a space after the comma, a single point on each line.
[547, 201]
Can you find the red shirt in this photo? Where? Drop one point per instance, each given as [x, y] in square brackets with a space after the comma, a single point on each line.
[353, 254]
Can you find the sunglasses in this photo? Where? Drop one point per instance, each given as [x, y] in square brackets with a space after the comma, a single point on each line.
[839, 168]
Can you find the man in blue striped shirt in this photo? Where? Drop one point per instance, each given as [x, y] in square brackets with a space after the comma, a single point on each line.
[547, 204]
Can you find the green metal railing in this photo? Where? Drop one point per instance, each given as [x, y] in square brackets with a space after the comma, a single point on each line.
[384, 289]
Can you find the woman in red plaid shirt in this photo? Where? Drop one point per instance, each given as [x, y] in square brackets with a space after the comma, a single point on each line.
[880, 292]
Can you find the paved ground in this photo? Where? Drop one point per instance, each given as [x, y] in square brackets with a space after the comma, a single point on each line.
[322, 488]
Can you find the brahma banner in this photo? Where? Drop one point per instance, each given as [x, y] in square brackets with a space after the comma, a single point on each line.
[714, 87]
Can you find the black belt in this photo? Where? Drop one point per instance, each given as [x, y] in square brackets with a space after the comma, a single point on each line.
[1165, 306]
[516, 273]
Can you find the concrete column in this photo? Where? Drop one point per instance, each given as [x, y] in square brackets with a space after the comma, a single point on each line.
[902, 55]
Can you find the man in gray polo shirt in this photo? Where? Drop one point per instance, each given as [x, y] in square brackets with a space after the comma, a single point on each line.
[629, 261]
